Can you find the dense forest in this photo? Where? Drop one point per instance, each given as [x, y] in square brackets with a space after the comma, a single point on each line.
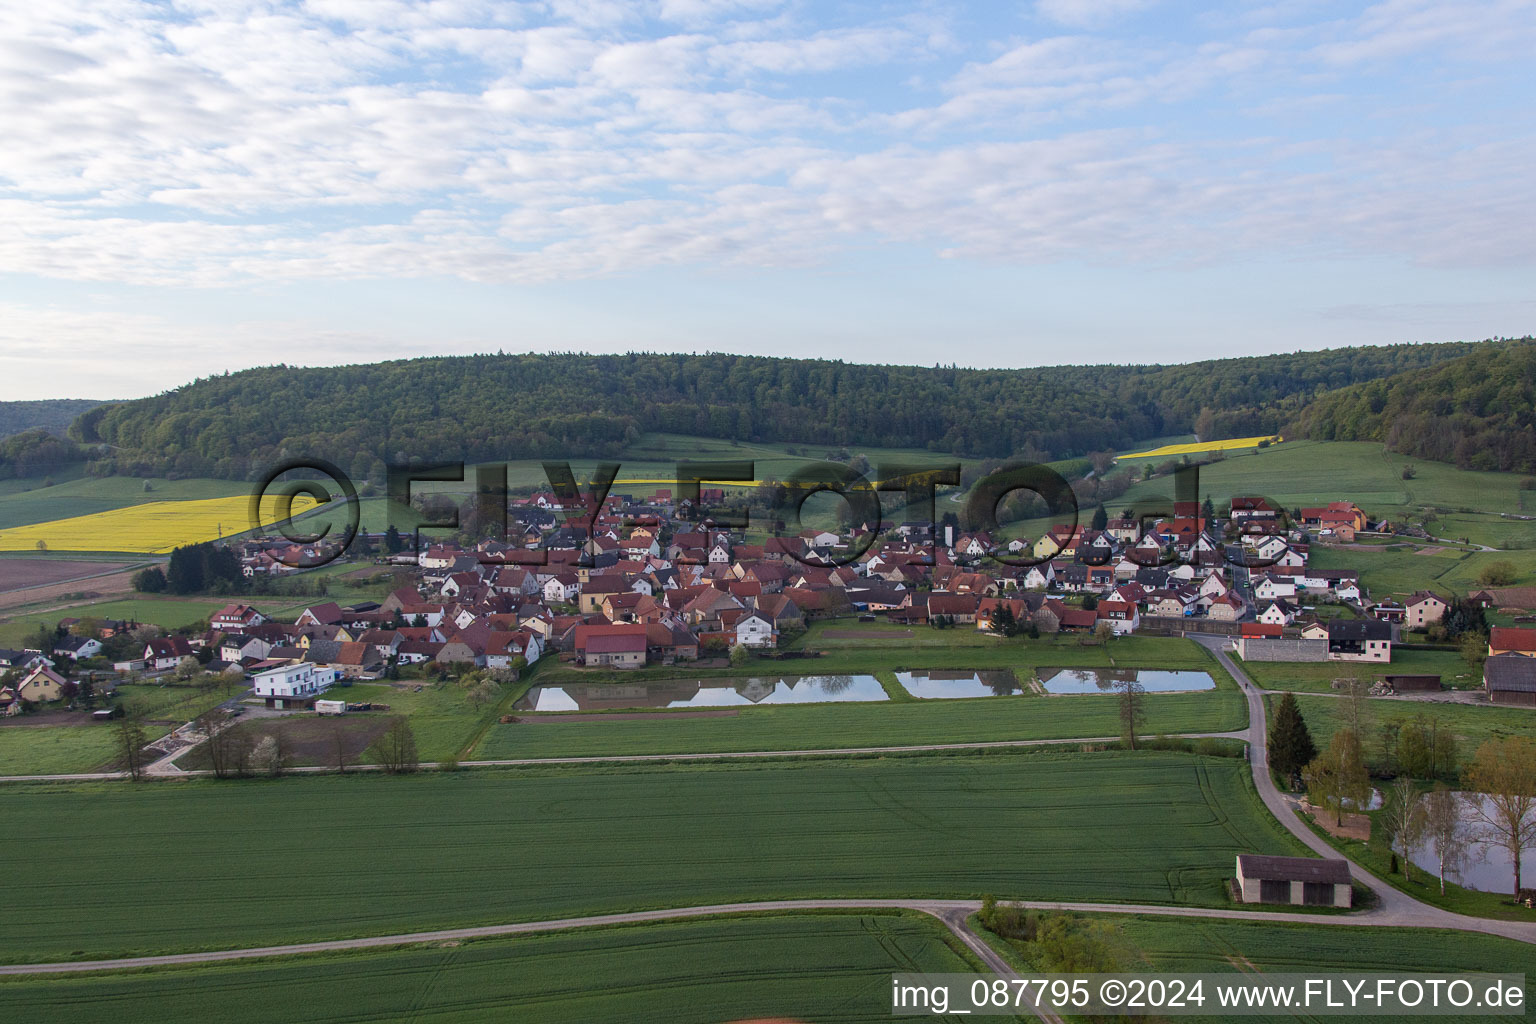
[1477, 411]
[53, 415]
[570, 405]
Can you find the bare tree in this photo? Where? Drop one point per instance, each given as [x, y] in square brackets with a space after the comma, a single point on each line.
[339, 744]
[1448, 836]
[211, 724]
[395, 750]
[1133, 712]
[1405, 821]
[130, 745]
[1356, 712]
[1504, 772]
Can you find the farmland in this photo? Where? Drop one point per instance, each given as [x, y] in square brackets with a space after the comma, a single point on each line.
[1171, 944]
[384, 854]
[815, 967]
[155, 527]
[1199, 447]
[19, 573]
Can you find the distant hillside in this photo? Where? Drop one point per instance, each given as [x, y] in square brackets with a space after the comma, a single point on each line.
[1477, 411]
[569, 405]
[52, 414]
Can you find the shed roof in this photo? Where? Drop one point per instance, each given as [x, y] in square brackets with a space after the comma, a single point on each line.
[1293, 869]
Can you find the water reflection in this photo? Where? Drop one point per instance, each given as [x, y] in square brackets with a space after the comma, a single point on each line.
[703, 693]
[1488, 868]
[945, 685]
[1105, 680]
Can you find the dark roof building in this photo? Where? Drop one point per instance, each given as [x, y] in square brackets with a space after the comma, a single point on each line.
[1510, 679]
[1303, 881]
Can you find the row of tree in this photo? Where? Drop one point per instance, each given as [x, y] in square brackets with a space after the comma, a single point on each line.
[481, 408]
[1502, 771]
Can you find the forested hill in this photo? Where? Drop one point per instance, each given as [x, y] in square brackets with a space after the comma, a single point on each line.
[570, 405]
[1477, 411]
[53, 415]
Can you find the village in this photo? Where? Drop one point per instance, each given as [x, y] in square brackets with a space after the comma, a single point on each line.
[647, 582]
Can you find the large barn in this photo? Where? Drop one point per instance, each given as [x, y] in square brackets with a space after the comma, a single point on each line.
[1303, 881]
[1510, 679]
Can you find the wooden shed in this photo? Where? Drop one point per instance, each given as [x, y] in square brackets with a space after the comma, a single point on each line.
[1510, 679]
[1302, 881]
[1412, 683]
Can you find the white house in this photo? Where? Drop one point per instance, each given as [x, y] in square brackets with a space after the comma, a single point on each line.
[755, 631]
[1039, 576]
[1273, 588]
[562, 588]
[291, 686]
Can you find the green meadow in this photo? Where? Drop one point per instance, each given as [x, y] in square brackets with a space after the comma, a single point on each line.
[255, 862]
[810, 967]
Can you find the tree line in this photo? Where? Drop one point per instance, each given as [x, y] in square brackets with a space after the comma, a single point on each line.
[491, 407]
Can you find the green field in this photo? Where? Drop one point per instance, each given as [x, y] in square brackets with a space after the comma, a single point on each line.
[167, 612]
[1313, 472]
[1172, 944]
[246, 863]
[882, 724]
[1318, 677]
[814, 967]
[83, 496]
[85, 746]
[1472, 724]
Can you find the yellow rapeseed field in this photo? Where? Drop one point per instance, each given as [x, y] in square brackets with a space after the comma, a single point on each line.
[154, 527]
[1203, 446]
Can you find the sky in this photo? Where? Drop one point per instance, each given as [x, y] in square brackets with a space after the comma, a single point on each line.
[191, 188]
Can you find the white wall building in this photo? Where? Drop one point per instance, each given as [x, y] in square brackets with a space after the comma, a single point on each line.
[292, 686]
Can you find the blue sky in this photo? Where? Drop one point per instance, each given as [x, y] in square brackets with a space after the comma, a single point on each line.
[189, 188]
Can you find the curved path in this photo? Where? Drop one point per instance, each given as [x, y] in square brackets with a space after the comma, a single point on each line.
[1394, 907]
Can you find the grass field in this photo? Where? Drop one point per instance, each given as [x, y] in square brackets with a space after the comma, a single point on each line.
[168, 612]
[1174, 945]
[1300, 473]
[823, 726]
[83, 746]
[79, 744]
[329, 856]
[1471, 724]
[814, 967]
[1305, 677]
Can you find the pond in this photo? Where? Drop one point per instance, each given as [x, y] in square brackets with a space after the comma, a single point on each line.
[934, 684]
[1105, 680]
[1488, 867]
[703, 693]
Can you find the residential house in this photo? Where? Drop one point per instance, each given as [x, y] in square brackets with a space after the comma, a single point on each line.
[1359, 640]
[753, 630]
[1424, 608]
[41, 685]
[166, 652]
[1511, 640]
[293, 686]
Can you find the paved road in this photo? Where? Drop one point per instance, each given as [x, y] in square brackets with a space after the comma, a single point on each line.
[1394, 907]
[621, 758]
